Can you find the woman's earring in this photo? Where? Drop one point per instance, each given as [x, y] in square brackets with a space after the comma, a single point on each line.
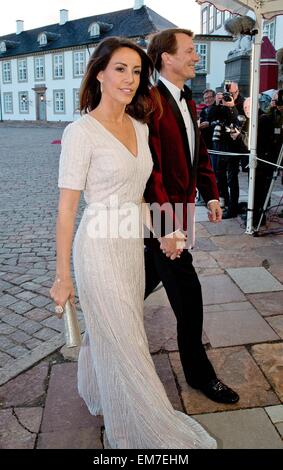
[101, 87]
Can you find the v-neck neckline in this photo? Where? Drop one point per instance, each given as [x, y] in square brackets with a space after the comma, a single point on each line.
[116, 138]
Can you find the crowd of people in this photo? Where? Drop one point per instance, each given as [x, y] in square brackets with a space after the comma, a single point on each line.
[224, 125]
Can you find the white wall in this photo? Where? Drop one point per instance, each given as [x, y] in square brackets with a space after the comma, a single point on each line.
[68, 83]
[216, 67]
[279, 32]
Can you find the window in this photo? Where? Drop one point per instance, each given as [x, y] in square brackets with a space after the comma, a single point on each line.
[269, 31]
[39, 68]
[218, 19]
[204, 14]
[7, 75]
[58, 66]
[201, 50]
[42, 39]
[79, 63]
[211, 19]
[59, 101]
[23, 102]
[3, 46]
[22, 70]
[76, 100]
[94, 30]
[227, 15]
[8, 102]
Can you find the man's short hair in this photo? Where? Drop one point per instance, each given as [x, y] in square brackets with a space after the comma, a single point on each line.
[165, 41]
[208, 90]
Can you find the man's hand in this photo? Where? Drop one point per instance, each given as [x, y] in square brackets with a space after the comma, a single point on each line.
[203, 124]
[173, 244]
[214, 212]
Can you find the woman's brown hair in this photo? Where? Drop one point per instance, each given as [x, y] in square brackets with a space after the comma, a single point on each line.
[144, 101]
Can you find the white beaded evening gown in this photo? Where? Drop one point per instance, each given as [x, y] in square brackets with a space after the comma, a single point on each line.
[116, 374]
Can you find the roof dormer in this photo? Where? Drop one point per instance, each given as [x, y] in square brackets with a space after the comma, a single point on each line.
[42, 39]
[5, 45]
[45, 37]
[97, 27]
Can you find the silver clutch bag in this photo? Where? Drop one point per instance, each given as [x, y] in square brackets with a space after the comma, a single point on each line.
[72, 327]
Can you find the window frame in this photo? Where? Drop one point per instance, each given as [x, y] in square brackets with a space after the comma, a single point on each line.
[9, 62]
[54, 66]
[203, 14]
[23, 111]
[80, 62]
[5, 95]
[35, 67]
[20, 69]
[54, 101]
[198, 46]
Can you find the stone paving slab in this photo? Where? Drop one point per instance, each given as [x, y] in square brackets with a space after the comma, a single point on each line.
[267, 304]
[277, 271]
[226, 227]
[28, 389]
[164, 370]
[275, 413]
[84, 438]
[219, 290]
[254, 280]
[236, 259]
[242, 429]
[277, 324]
[66, 412]
[270, 359]
[11, 370]
[235, 324]
[236, 367]
[201, 214]
[157, 298]
[19, 427]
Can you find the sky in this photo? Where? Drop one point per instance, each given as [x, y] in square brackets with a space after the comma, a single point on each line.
[36, 13]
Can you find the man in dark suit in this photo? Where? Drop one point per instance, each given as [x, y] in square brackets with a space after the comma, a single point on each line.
[181, 163]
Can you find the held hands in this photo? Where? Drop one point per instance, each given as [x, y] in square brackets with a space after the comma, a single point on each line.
[60, 292]
[214, 212]
[203, 124]
[173, 244]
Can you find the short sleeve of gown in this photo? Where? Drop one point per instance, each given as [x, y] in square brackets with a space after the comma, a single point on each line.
[74, 159]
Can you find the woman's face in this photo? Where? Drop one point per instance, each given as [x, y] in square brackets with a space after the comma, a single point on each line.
[121, 78]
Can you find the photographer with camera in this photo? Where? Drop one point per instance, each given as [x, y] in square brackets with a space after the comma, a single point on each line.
[269, 142]
[223, 118]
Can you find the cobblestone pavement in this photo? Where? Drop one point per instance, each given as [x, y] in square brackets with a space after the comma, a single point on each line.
[29, 196]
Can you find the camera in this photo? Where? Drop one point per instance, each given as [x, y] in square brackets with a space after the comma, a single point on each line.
[279, 101]
[216, 136]
[227, 95]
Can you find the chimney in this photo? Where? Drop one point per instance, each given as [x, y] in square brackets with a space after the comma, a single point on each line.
[138, 4]
[64, 16]
[20, 26]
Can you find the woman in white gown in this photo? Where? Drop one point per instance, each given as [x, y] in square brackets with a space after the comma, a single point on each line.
[105, 153]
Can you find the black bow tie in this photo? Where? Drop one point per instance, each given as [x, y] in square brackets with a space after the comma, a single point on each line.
[186, 93]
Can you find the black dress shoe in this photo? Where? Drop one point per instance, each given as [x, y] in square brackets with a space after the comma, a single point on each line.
[226, 214]
[219, 392]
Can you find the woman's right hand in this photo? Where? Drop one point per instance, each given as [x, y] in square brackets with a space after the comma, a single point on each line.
[61, 291]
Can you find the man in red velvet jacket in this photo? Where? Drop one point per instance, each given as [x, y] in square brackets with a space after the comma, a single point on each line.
[181, 163]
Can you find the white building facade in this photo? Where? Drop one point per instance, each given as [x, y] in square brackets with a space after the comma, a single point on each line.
[212, 24]
[41, 70]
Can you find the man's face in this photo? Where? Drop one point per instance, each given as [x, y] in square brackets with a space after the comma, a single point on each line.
[208, 98]
[182, 63]
[234, 90]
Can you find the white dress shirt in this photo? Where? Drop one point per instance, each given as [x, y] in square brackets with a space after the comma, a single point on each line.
[182, 105]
